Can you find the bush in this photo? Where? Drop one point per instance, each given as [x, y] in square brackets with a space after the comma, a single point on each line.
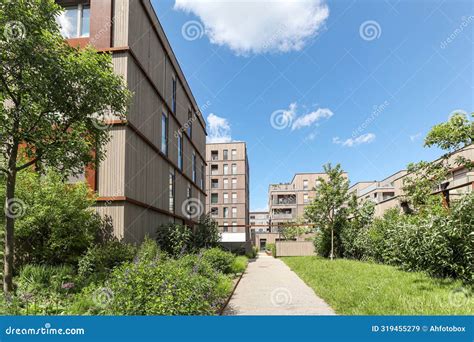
[164, 288]
[239, 264]
[322, 240]
[44, 278]
[253, 253]
[149, 250]
[58, 225]
[175, 239]
[434, 240]
[102, 258]
[206, 234]
[220, 260]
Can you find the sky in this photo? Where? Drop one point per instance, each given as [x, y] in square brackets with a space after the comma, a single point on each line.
[305, 83]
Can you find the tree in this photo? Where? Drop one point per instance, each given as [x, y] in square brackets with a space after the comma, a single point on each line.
[327, 210]
[450, 136]
[55, 99]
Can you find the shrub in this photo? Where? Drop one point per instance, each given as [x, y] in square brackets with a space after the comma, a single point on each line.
[164, 288]
[174, 239]
[44, 278]
[58, 225]
[102, 258]
[149, 250]
[206, 234]
[220, 260]
[322, 240]
[252, 254]
[239, 264]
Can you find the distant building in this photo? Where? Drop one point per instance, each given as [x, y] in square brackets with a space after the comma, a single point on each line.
[259, 220]
[227, 186]
[386, 194]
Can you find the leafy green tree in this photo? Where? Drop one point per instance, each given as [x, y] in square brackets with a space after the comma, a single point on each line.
[293, 229]
[55, 99]
[328, 209]
[450, 136]
[206, 234]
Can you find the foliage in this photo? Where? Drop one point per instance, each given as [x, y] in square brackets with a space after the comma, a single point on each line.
[164, 288]
[57, 225]
[361, 218]
[323, 243]
[435, 240]
[102, 258]
[272, 248]
[220, 260]
[206, 234]
[174, 239]
[38, 278]
[327, 210]
[149, 250]
[239, 264]
[353, 287]
[253, 253]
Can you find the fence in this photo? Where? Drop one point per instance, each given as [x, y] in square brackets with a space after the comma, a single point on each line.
[294, 248]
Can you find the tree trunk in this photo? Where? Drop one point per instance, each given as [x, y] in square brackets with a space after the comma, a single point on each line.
[332, 243]
[10, 222]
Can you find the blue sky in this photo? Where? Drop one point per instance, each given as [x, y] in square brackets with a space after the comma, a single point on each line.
[306, 83]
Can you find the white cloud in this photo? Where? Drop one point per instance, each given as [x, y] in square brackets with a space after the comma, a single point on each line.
[258, 26]
[361, 139]
[415, 136]
[310, 118]
[218, 129]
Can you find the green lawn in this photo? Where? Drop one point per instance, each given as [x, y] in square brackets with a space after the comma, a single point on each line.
[361, 288]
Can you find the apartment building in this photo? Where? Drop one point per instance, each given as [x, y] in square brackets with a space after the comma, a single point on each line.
[386, 194]
[260, 220]
[227, 187]
[155, 162]
[286, 201]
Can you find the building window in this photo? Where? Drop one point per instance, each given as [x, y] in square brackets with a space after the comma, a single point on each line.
[305, 184]
[226, 212]
[234, 212]
[214, 198]
[226, 154]
[234, 169]
[234, 227]
[234, 197]
[202, 175]
[180, 151]
[164, 133]
[194, 166]
[171, 191]
[190, 124]
[173, 95]
[226, 197]
[214, 211]
[75, 21]
[214, 183]
[226, 227]
[214, 155]
[226, 183]
[234, 183]
[226, 169]
[234, 154]
[305, 198]
[214, 169]
[188, 192]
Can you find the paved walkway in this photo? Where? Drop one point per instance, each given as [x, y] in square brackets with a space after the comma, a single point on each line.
[269, 287]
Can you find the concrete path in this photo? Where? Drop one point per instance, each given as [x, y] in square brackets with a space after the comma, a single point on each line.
[269, 287]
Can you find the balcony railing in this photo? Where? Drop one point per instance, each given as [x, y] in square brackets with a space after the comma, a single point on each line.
[282, 216]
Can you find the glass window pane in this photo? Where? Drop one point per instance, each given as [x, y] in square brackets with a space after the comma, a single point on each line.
[85, 21]
[68, 22]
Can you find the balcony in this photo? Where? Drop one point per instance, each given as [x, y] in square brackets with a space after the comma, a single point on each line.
[282, 216]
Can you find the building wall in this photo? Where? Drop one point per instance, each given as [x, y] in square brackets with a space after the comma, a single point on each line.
[133, 180]
[296, 190]
[241, 188]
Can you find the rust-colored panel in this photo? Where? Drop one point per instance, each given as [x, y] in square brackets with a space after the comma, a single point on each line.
[101, 24]
[78, 42]
[90, 175]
